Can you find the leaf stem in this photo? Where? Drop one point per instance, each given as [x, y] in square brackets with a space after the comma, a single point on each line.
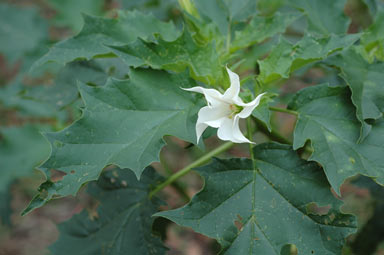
[179, 188]
[277, 109]
[196, 163]
[250, 134]
[273, 134]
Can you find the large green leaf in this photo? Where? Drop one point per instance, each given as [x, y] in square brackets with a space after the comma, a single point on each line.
[367, 85]
[327, 118]
[259, 210]
[21, 30]
[98, 32]
[203, 61]
[21, 149]
[123, 124]
[261, 28]
[68, 12]
[64, 88]
[122, 223]
[286, 57]
[324, 17]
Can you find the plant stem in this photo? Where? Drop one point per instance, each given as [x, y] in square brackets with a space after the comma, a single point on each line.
[250, 134]
[273, 135]
[179, 188]
[277, 109]
[188, 168]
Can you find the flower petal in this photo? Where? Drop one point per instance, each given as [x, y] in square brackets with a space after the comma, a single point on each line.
[230, 131]
[249, 107]
[213, 116]
[200, 128]
[237, 133]
[212, 96]
[233, 91]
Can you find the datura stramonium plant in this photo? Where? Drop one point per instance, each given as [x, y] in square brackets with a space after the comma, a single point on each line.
[224, 111]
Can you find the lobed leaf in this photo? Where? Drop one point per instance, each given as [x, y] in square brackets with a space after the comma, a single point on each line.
[98, 32]
[327, 118]
[261, 28]
[259, 210]
[202, 61]
[286, 57]
[123, 124]
[121, 224]
[366, 83]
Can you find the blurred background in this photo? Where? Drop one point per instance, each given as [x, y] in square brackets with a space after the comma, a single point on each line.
[47, 100]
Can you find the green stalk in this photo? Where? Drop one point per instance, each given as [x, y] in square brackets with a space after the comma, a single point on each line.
[179, 188]
[277, 109]
[250, 134]
[188, 168]
[273, 135]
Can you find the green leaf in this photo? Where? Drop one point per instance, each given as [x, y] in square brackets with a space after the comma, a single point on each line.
[223, 13]
[327, 118]
[21, 31]
[263, 113]
[372, 40]
[123, 124]
[64, 90]
[122, 223]
[286, 57]
[68, 12]
[261, 28]
[366, 83]
[202, 61]
[98, 32]
[164, 9]
[21, 149]
[324, 17]
[259, 211]
[373, 6]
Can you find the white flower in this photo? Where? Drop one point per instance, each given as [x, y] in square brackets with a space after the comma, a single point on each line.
[224, 111]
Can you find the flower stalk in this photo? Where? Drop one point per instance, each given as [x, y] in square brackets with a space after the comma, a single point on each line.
[200, 161]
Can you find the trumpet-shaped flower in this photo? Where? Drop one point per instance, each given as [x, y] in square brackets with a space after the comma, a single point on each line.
[224, 111]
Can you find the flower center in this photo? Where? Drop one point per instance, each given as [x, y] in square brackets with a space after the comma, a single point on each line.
[235, 109]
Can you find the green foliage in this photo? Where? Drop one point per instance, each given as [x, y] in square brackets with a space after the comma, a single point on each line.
[327, 118]
[287, 58]
[223, 12]
[122, 222]
[372, 41]
[123, 124]
[68, 12]
[324, 17]
[130, 71]
[99, 32]
[203, 62]
[21, 30]
[261, 28]
[366, 83]
[14, 164]
[21, 149]
[257, 210]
